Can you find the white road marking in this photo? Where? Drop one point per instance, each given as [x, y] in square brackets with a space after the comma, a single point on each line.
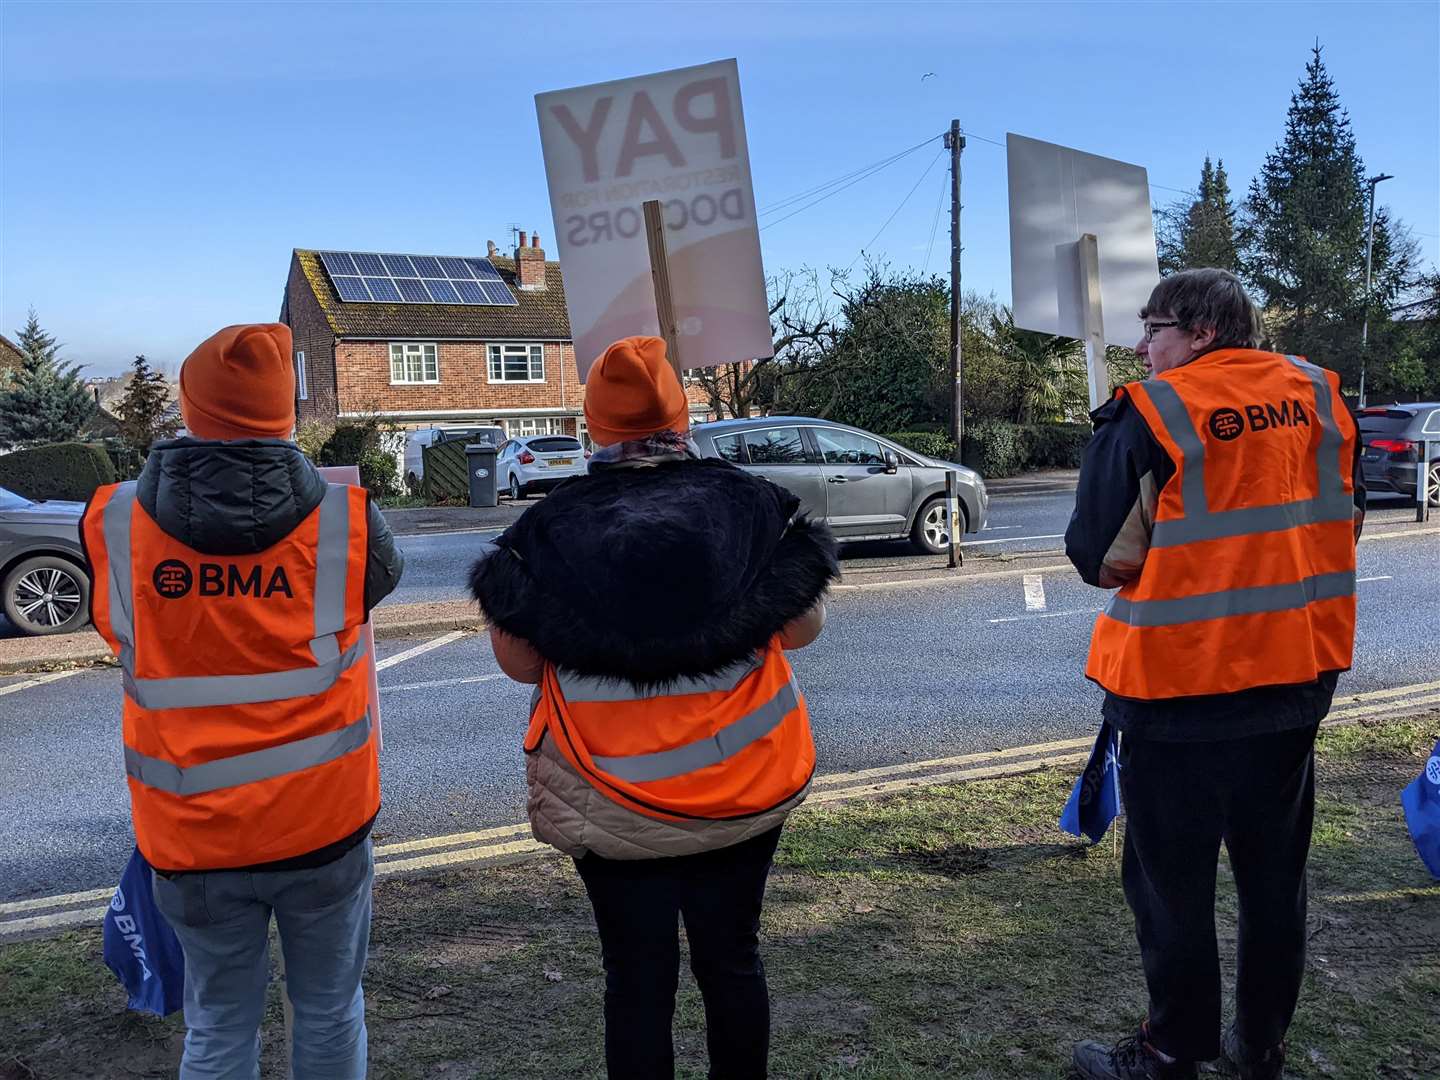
[1381, 577]
[1011, 539]
[1034, 592]
[442, 682]
[1047, 615]
[38, 680]
[420, 650]
[448, 532]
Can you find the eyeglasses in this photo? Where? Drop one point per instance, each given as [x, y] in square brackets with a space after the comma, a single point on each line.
[1151, 327]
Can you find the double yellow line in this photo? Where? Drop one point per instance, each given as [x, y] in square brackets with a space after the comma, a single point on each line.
[511, 843]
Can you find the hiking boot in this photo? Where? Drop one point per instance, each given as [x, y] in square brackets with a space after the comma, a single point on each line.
[1129, 1059]
[1268, 1065]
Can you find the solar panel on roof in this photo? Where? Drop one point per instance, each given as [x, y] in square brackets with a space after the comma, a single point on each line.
[370, 264]
[413, 291]
[456, 270]
[442, 292]
[383, 289]
[470, 292]
[351, 288]
[337, 262]
[367, 277]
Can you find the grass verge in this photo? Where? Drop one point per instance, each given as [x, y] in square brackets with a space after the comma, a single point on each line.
[948, 932]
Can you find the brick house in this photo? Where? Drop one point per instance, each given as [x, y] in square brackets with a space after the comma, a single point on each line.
[418, 363]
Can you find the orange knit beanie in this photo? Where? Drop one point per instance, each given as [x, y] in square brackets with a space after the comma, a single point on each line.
[632, 391]
[240, 384]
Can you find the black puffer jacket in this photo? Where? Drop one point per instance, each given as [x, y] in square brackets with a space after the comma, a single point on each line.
[655, 573]
[237, 498]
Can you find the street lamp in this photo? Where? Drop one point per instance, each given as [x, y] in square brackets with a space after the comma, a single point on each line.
[1369, 249]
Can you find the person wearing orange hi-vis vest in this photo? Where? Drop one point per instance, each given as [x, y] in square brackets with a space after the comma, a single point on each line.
[651, 604]
[233, 584]
[1222, 496]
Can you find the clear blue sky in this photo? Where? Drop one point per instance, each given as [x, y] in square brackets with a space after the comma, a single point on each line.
[160, 161]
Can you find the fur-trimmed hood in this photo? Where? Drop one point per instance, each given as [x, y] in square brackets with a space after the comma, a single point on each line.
[654, 573]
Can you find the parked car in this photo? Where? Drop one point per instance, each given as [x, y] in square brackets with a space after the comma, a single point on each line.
[865, 486]
[417, 441]
[1393, 437]
[538, 462]
[44, 583]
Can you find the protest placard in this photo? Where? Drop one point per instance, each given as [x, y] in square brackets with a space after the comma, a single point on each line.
[677, 137]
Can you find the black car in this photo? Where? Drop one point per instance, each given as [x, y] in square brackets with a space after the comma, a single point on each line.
[44, 583]
[1393, 437]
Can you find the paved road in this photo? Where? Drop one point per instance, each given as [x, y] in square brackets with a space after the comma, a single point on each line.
[903, 672]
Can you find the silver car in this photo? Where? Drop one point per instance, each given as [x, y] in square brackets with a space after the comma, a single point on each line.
[44, 583]
[866, 487]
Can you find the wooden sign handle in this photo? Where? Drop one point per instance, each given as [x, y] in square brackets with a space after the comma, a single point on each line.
[660, 272]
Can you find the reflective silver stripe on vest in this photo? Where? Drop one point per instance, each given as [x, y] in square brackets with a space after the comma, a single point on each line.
[590, 689]
[115, 525]
[197, 691]
[248, 768]
[1199, 523]
[1192, 451]
[1248, 601]
[332, 566]
[725, 743]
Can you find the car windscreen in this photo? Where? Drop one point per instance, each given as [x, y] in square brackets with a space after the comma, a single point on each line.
[1389, 422]
[10, 501]
[555, 445]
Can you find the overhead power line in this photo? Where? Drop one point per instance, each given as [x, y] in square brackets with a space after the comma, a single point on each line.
[897, 209]
[847, 181]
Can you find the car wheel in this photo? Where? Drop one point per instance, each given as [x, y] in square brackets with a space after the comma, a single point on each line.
[931, 532]
[1433, 494]
[47, 595]
[517, 490]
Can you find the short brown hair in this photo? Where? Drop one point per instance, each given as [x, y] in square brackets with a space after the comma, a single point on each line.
[1214, 299]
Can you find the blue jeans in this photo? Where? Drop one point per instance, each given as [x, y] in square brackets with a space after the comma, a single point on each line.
[222, 919]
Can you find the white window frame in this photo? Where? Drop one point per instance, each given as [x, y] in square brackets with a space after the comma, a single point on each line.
[302, 384]
[497, 352]
[426, 358]
[521, 427]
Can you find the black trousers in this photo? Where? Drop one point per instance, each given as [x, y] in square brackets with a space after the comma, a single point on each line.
[1256, 794]
[638, 904]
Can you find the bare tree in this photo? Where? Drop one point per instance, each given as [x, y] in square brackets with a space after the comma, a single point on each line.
[801, 324]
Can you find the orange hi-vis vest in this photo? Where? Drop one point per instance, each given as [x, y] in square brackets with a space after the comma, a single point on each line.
[247, 727]
[731, 745]
[1250, 576]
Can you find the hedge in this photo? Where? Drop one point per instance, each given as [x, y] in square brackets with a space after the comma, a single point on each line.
[930, 443]
[359, 444]
[1000, 448]
[68, 472]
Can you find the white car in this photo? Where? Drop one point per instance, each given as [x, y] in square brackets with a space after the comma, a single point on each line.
[538, 462]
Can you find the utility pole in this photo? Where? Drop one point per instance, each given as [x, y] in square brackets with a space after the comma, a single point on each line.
[1369, 251]
[955, 143]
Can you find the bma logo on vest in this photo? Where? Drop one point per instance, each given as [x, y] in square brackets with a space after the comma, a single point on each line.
[174, 579]
[1227, 424]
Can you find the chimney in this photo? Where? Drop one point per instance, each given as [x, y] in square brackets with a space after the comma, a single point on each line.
[530, 263]
[490, 249]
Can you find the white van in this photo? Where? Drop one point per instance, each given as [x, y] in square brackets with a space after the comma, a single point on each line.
[417, 441]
